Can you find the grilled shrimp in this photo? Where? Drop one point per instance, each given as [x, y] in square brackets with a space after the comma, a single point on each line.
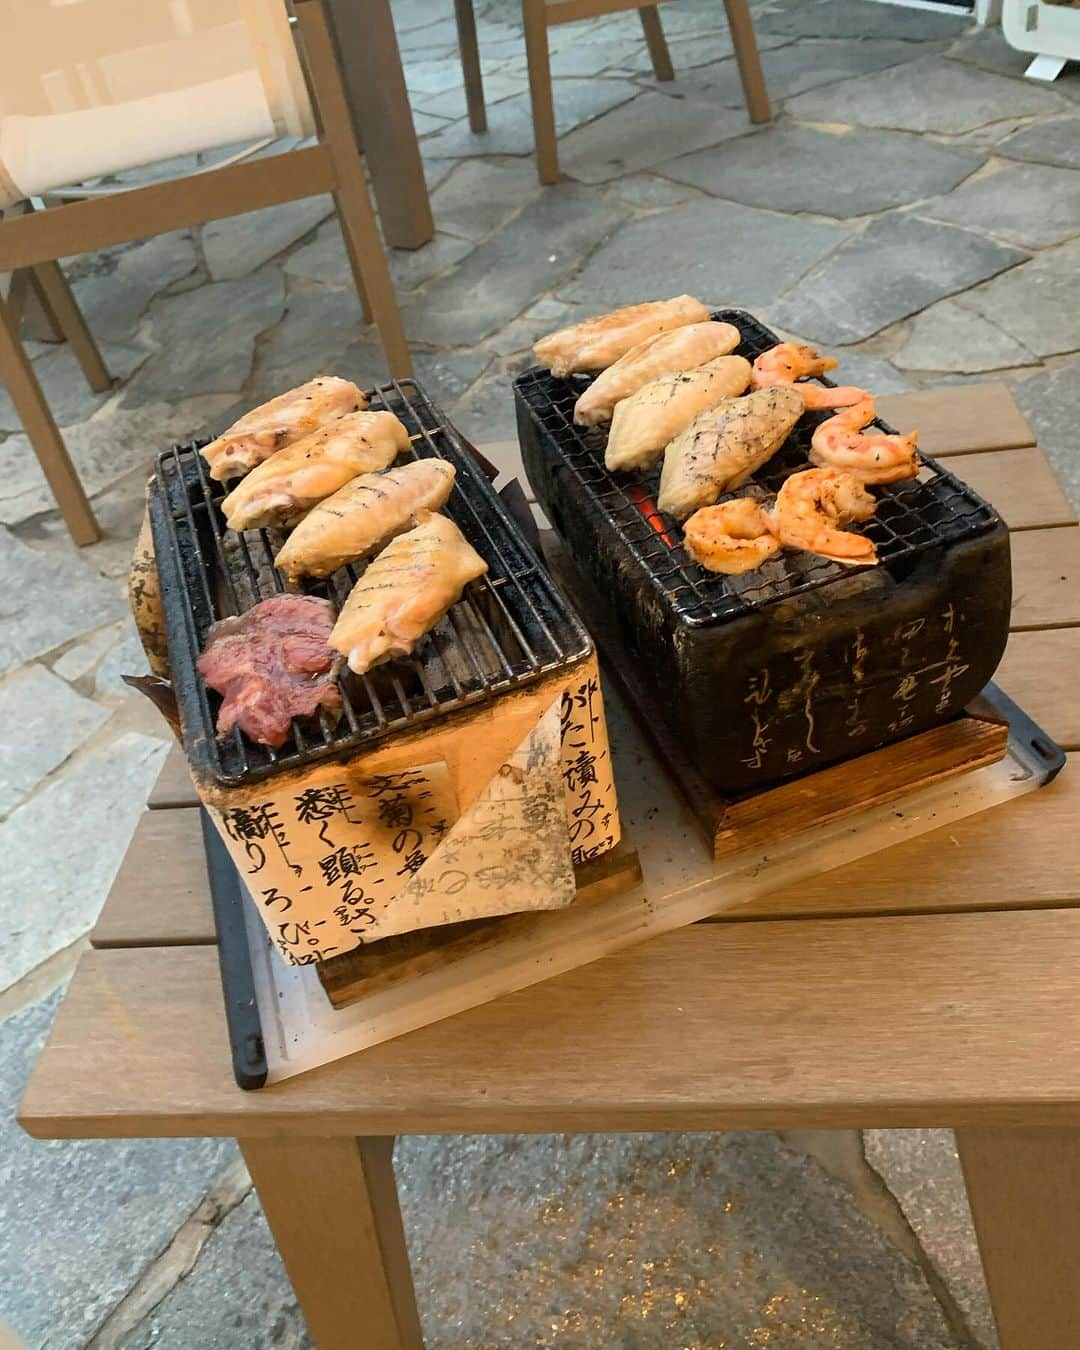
[788, 362]
[840, 443]
[812, 505]
[734, 537]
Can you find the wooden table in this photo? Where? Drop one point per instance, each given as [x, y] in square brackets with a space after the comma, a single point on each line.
[935, 985]
[370, 62]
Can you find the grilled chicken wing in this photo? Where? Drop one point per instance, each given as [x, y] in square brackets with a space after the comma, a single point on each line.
[405, 592]
[662, 354]
[596, 343]
[646, 421]
[723, 446]
[280, 491]
[362, 516]
[279, 423]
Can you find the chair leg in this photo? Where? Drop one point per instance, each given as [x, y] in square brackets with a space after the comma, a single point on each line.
[371, 272]
[370, 66]
[355, 265]
[748, 60]
[32, 309]
[52, 288]
[355, 212]
[470, 64]
[18, 374]
[28, 302]
[657, 43]
[18, 296]
[543, 109]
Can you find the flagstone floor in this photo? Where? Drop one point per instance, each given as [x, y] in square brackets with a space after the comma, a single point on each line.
[915, 207]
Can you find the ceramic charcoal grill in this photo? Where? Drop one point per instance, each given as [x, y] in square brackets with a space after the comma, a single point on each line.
[450, 787]
[802, 662]
[510, 627]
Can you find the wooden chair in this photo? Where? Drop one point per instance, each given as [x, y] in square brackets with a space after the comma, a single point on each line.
[936, 986]
[100, 86]
[540, 15]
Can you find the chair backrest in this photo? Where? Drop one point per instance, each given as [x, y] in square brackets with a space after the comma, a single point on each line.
[91, 87]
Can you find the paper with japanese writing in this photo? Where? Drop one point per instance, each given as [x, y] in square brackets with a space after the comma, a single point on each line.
[350, 857]
[322, 863]
[550, 807]
[592, 813]
[508, 852]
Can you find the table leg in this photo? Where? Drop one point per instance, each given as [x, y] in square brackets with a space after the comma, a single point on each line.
[370, 62]
[333, 1210]
[1024, 1188]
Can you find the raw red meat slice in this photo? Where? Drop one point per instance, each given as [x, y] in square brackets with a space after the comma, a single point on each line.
[272, 663]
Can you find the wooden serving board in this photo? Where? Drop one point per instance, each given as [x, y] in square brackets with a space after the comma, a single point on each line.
[729, 824]
[681, 884]
[784, 836]
[381, 965]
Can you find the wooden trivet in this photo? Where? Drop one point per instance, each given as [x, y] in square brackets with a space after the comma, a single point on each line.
[380, 965]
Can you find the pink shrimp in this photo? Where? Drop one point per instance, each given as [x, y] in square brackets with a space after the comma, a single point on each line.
[840, 443]
[812, 506]
[789, 362]
[734, 537]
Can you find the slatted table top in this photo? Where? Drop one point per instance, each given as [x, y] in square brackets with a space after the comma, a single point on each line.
[933, 985]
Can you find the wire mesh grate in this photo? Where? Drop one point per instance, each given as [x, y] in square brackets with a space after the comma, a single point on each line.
[510, 626]
[912, 517]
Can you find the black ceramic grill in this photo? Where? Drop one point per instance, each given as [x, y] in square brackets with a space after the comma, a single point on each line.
[797, 664]
[511, 626]
[911, 517]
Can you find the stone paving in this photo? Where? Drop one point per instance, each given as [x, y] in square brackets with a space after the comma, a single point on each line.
[916, 207]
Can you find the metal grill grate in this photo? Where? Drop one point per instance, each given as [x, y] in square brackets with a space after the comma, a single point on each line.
[912, 517]
[510, 626]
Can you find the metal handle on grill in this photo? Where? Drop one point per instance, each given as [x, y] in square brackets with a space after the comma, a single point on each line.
[1039, 754]
[234, 958]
